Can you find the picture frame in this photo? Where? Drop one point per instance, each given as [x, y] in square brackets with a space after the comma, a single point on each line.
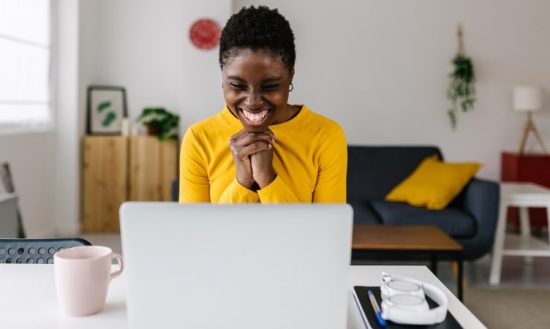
[106, 109]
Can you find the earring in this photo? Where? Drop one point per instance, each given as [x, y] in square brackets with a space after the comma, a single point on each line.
[291, 87]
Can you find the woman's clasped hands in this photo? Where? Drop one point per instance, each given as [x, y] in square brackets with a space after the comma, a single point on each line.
[253, 156]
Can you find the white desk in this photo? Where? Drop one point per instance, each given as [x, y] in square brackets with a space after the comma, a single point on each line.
[28, 298]
[522, 195]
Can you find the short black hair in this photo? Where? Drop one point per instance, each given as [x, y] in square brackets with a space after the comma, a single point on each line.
[259, 28]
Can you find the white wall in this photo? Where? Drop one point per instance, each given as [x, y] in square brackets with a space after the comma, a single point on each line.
[379, 67]
[32, 162]
[144, 46]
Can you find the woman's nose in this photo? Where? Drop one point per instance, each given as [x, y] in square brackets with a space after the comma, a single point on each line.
[254, 98]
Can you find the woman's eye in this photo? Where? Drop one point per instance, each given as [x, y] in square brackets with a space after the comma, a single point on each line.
[238, 86]
[271, 87]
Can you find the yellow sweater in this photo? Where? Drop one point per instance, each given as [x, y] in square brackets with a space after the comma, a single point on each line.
[309, 158]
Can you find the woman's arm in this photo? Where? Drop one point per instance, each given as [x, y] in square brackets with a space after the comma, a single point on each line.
[331, 182]
[194, 183]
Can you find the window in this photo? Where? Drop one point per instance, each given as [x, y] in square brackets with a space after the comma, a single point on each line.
[25, 103]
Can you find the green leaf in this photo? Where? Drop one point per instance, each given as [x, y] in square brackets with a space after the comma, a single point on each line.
[103, 105]
[109, 119]
[163, 122]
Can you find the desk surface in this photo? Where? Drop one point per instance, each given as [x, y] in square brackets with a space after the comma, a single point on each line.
[28, 298]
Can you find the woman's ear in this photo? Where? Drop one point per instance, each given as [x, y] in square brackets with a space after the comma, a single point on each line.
[291, 74]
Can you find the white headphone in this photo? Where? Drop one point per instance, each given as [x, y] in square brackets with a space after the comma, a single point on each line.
[404, 301]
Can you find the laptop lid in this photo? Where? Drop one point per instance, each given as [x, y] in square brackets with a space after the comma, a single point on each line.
[236, 266]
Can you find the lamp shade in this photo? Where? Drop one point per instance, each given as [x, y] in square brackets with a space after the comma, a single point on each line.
[527, 98]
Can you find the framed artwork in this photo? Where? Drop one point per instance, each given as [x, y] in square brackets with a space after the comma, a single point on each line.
[106, 109]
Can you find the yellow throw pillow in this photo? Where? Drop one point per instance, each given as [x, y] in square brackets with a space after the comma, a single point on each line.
[433, 184]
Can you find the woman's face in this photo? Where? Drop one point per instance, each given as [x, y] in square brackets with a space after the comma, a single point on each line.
[255, 87]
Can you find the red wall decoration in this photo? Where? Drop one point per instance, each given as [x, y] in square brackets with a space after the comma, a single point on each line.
[205, 33]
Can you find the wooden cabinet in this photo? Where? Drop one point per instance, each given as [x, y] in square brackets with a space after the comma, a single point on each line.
[534, 168]
[118, 169]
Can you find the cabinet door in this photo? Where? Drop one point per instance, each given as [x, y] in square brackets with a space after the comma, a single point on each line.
[153, 167]
[105, 181]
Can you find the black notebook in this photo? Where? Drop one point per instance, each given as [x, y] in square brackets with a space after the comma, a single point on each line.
[361, 293]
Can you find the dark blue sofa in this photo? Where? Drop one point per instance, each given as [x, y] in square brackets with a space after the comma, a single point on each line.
[374, 170]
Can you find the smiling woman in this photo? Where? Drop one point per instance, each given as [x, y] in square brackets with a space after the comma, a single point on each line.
[259, 148]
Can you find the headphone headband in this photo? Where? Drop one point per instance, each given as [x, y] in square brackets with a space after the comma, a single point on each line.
[403, 301]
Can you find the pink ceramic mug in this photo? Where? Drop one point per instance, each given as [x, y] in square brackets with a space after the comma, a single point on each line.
[82, 276]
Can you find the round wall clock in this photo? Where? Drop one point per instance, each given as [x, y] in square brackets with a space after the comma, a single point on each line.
[205, 33]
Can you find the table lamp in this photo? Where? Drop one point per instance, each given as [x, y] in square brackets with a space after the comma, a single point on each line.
[528, 99]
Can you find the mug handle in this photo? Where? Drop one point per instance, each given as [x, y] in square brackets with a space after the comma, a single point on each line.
[120, 262]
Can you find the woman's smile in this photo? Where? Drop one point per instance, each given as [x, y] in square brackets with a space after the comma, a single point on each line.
[256, 118]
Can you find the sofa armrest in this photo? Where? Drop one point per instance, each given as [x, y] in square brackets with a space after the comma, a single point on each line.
[481, 199]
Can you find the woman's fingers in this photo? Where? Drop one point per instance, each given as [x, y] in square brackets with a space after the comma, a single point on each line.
[255, 147]
[243, 152]
[244, 144]
[244, 138]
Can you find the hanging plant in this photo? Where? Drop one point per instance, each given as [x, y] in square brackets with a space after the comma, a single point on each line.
[461, 91]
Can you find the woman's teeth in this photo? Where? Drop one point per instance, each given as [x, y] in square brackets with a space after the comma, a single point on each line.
[255, 117]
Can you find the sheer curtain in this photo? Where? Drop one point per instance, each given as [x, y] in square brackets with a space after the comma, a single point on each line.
[25, 102]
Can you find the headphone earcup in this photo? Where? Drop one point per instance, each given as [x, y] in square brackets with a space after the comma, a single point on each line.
[402, 316]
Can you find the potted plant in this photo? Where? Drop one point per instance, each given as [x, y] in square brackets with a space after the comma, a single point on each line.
[160, 122]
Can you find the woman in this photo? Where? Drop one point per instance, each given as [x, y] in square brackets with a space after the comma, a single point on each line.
[259, 148]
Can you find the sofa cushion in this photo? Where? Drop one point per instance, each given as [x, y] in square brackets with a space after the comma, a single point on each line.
[454, 222]
[374, 170]
[363, 214]
[434, 183]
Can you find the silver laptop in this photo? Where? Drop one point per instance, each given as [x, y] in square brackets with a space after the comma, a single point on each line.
[245, 266]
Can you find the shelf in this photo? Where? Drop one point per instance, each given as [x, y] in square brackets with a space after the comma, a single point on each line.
[518, 245]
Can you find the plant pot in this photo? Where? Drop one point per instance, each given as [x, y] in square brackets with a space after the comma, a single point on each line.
[152, 130]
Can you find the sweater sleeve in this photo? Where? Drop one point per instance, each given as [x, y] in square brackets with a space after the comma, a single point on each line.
[236, 193]
[194, 183]
[333, 163]
[277, 192]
